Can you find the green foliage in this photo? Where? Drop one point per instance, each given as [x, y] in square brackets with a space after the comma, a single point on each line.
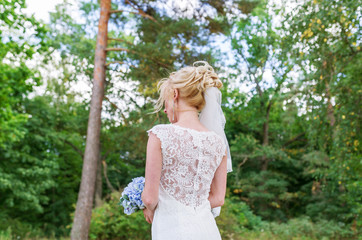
[303, 227]
[330, 62]
[5, 235]
[309, 164]
[43, 167]
[295, 141]
[26, 167]
[15, 229]
[296, 228]
[13, 87]
[75, 44]
[16, 80]
[109, 222]
[235, 218]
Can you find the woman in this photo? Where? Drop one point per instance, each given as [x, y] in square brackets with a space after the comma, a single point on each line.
[186, 163]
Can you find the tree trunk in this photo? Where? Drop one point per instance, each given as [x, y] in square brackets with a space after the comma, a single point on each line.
[98, 191]
[83, 212]
[265, 160]
[330, 110]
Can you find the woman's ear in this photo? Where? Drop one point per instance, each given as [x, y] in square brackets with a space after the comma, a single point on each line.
[175, 94]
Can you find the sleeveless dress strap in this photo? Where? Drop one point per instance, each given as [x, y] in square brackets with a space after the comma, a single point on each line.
[161, 131]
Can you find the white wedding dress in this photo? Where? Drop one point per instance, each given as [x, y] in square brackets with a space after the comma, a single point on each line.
[189, 161]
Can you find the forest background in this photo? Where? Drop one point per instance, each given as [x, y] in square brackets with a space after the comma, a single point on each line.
[292, 99]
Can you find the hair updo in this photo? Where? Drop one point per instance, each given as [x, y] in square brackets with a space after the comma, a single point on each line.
[191, 82]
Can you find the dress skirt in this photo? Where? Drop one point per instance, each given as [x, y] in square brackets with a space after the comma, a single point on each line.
[174, 220]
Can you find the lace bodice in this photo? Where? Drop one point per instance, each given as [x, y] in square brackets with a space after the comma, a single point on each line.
[190, 159]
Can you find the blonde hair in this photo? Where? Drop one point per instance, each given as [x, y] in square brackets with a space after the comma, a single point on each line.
[191, 82]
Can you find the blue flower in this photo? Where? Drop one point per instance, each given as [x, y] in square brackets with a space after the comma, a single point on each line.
[131, 196]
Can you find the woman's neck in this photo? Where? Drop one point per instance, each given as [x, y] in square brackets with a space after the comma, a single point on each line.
[186, 118]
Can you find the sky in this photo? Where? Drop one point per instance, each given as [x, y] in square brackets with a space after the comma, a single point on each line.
[41, 9]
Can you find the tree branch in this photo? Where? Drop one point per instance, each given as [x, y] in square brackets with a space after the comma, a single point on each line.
[109, 63]
[109, 185]
[118, 49]
[139, 12]
[119, 40]
[120, 111]
[260, 92]
[117, 11]
[344, 36]
[131, 51]
[114, 105]
[293, 139]
[74, 147]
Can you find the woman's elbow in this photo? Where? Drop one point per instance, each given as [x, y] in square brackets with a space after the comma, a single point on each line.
[220, 202]
[148, 201]
[216, 201]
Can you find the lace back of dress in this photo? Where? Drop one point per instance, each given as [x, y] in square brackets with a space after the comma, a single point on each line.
[190, 159]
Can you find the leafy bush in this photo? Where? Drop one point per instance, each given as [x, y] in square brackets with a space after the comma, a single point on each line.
[5, 235]
[109, 222]
[238, 222]
[235, 218]
[15, 229]
[304, 227]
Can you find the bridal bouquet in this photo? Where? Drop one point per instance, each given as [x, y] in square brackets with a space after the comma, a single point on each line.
[131, 196]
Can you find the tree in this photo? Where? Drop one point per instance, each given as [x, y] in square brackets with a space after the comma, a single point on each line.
[25, 171]
[258, 139]
[83, 211]
[326, 47]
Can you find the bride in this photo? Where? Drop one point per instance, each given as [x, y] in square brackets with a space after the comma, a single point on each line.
[187, 160]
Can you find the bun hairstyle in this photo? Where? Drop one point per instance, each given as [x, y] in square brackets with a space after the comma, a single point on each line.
[191, 82]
